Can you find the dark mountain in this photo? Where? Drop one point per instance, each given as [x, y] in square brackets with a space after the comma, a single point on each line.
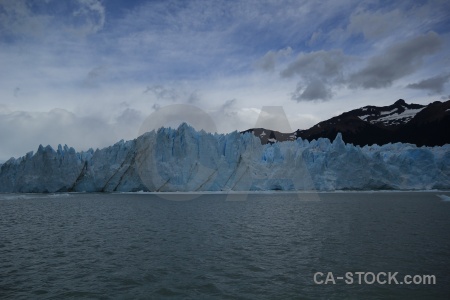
[423, 125]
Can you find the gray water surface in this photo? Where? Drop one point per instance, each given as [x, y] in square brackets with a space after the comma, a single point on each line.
[140, 246]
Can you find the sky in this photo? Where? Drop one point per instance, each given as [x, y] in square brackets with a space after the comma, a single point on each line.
[88, 73]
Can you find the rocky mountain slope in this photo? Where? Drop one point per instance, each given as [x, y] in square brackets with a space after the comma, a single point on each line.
[400, 122]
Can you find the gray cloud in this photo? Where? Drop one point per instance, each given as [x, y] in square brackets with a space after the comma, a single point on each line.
[174, 93]
[319, 71]
[95, 75]
[392, 22]
[375, 24]
[323, 64]
[18, 19]
[162, 93]
[267, 63]
[127, 123]
[226, 109]
[96, 72]
[315, 90]
[23, 131]
[397, 61]
[228, 104]
[194, 97]
[269, 60]
[130, 116]
[434, 84]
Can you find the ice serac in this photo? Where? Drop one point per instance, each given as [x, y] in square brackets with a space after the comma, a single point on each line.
[45, 171]
[183, 159]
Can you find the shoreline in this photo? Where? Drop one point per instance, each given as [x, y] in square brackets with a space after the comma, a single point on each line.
[235, 192]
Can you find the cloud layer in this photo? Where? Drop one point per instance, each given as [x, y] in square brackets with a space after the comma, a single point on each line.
[109, 64]
[397, 61]
[319, 71]
[434, 84]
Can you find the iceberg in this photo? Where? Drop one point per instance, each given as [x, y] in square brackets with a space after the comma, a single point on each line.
[186, 160]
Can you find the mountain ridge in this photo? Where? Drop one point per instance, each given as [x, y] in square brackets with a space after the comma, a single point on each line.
[422, 125]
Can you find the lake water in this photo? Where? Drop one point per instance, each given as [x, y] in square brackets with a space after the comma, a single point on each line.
[267, 246]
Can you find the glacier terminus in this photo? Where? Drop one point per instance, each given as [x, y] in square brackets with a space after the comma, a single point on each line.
[185, 160]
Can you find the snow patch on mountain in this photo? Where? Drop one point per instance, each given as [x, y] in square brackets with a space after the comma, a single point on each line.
[397, 114]
[364, 117]
[405, 116]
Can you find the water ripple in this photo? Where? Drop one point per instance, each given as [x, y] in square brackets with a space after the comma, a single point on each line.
[107, 246]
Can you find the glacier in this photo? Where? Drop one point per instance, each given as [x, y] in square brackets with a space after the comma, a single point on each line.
[185, 160]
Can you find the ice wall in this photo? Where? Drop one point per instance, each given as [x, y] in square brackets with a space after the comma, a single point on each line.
[186, 160]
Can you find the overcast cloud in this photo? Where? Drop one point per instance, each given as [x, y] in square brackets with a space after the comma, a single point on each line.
[89, 72]
[399, 60]
[319, 71]
[60, 126]
[434, 84]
